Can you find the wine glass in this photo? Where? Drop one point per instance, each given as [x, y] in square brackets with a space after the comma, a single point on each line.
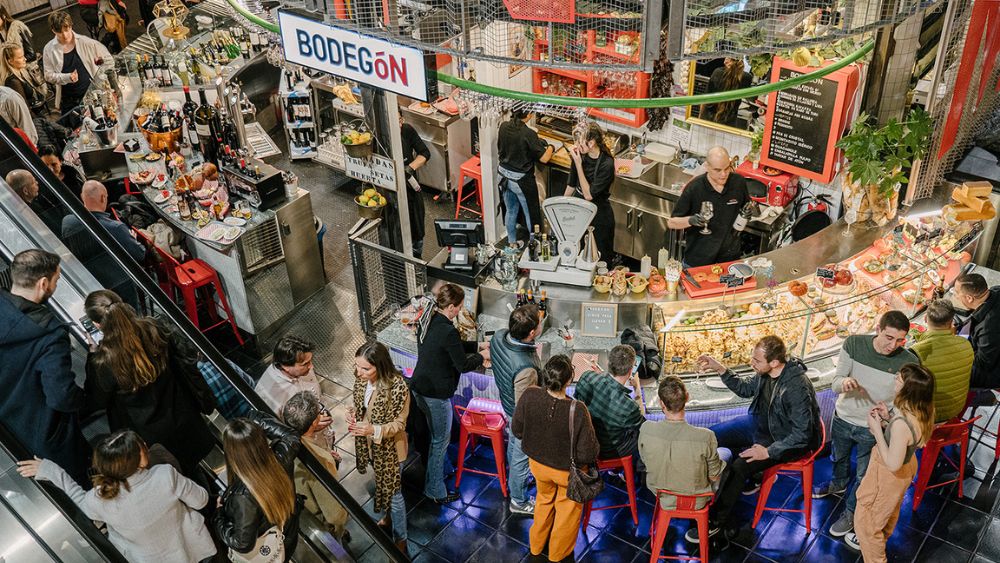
[706, 213]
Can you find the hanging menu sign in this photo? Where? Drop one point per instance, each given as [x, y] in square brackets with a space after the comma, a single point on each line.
[805, 122]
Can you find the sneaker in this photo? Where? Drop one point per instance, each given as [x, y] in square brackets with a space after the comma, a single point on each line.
[843, 525]
[851, 540]
[527, 508]
[692, 533]
[451, 496]
[828, 489]
[751, 487]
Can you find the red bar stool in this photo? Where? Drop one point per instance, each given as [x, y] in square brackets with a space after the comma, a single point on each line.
[192, 276]
[983, 430]
[946, 434]
[130, 189]
[686, 510]
[471, 169]
[803, 466]
[158, 267]
[625, 464]
[482, 418]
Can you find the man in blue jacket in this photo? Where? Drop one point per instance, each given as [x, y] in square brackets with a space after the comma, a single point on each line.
[41, 399]
[515, 368]
[785, 418]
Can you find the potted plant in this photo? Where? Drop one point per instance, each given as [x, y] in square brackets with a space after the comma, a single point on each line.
[879, 160]
[756, 142]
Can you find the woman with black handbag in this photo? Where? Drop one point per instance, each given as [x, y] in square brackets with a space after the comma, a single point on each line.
[558, 437]
[146, 378]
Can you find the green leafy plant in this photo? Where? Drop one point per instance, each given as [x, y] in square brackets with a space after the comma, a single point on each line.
[882, 156]
[756, 142]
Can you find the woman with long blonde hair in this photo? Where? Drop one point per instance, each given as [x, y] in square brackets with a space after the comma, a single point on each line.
[146, 378]
[892, 465]
[151, 510]
[259, 507]
[15, 75]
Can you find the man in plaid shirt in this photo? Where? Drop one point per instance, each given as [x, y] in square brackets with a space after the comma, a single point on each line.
[616, 415]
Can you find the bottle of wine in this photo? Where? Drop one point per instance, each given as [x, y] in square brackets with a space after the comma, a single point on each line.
[543, 305]
[744, 217]
[147, 69]
[545, 248]
[183, 207]
[157, 71]
[205, 122]
[164, 118]
[534, 245]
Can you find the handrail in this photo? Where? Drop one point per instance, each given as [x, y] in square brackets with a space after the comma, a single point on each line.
[65, 505]
[37, 168]
[619, 103]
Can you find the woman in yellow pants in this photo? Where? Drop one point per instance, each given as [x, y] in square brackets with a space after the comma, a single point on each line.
[541, 420]
[892, 464]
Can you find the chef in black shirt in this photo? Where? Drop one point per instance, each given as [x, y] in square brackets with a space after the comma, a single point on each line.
[520, 148]
[591, 177]
[728, 194]
[415, 155]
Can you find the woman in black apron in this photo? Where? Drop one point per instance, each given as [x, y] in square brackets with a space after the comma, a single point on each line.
[591, 177]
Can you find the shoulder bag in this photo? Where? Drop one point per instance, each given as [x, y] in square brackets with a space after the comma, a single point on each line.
[270, 548]
[584, 485]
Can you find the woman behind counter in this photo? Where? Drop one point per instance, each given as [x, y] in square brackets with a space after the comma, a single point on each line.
[591, 178]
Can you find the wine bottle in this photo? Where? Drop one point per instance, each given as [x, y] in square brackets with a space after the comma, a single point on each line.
[157, 71]
[534, 245]
[147, 69]
[545, 248]
[543, 305]
[205, 123]
[744, 217]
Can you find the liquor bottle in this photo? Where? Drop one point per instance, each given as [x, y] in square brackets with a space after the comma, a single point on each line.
[543, 305]
[939, 290]
[531, 298]
[534, 245]
[545, 251]
[183, 206]
[205, 123]
[521, 298]
[256, 172]
[744, 217]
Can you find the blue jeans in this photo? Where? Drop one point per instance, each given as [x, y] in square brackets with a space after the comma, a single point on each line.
[439, 418]
[514, 200]
[397, 513]
[736, 434]
[845, 436]
[517, 470]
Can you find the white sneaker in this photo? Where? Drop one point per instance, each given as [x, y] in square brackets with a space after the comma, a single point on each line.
[526, 509]
[851, 539]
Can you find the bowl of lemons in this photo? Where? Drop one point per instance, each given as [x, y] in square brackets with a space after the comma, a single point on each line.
[357, 144]
[370, 204]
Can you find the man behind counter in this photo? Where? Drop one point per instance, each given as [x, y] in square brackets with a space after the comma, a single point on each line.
[520, 147]
[727, 192]
[415, 155]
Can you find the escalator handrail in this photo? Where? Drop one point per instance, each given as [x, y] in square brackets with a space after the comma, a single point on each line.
[69, 509]
[147, 285]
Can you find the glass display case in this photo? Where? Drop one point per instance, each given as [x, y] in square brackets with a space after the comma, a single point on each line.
[904, 269]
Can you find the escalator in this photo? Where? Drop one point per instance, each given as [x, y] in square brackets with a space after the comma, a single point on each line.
[37, 521]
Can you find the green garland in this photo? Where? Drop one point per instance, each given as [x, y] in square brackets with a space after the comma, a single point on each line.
[621, 103]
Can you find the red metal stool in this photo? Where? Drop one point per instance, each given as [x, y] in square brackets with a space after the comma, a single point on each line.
[130, 189]
[471, 169]
[150, 262]
[983, 430]
[803, 466]
[946, 434]
[192, 276]
[685, 510]
[625, 464]
[481, 419]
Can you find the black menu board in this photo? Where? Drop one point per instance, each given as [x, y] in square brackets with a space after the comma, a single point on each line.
[799, 134]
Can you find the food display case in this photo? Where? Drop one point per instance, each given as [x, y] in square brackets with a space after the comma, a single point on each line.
[902, 269]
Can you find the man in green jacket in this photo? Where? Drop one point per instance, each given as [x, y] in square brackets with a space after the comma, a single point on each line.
[948, 357]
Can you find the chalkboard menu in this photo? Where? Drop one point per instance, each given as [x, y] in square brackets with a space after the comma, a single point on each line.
[805, 122]
[803, 116]
[599, 319]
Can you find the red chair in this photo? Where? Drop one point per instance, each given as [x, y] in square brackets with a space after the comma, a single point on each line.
[190, 277]
[685, 510]
[983, 430]
[130, 189]
[471, 169]
[946, 434]
[625, 464]
[482, 420]
[151, 263]
[803, 466]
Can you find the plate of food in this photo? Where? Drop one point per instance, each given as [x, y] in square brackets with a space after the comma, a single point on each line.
[230, 234]
[235, 221]
[159, 180]
[142, 177]
[136, 157]
[768, 171]
[162, 197]
[153, 157]
[873, 266]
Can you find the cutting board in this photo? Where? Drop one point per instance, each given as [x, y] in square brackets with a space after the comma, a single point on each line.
[714, 288]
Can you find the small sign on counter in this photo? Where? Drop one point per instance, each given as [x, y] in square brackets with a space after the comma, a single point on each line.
[599, 319]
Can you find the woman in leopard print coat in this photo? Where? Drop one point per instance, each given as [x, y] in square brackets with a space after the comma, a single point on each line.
[378, 423]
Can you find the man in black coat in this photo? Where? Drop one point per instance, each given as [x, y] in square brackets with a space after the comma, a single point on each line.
[784, 422]
[974, 294]
[41, 398]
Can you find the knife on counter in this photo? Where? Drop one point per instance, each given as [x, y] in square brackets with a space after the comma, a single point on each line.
[690, 279]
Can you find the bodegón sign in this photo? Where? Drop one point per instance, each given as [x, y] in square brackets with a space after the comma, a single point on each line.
[354, 56]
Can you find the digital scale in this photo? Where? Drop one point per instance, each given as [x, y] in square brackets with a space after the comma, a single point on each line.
[570, 219]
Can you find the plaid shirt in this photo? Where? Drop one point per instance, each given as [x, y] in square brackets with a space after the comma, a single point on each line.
[230, 404]
[613, 411]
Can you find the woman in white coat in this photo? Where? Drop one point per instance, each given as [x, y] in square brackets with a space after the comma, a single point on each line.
[151, 512]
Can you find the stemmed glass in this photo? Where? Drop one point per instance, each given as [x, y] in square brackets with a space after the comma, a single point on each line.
[706, 213]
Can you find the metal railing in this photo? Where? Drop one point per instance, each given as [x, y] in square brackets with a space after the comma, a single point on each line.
[170, 310]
